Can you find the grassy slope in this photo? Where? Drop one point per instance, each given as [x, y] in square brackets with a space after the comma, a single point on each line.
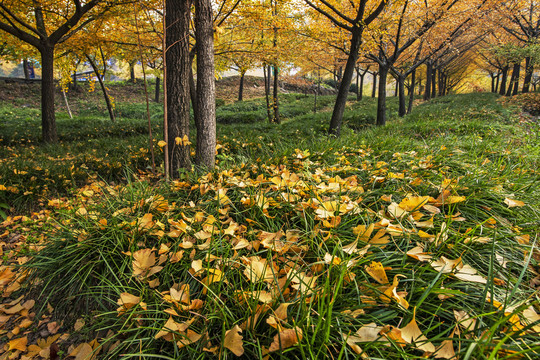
[468, 139]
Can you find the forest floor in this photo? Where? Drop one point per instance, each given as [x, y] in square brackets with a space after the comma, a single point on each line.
[414, 240]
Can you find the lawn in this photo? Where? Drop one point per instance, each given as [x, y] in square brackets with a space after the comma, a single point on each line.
[413, 240]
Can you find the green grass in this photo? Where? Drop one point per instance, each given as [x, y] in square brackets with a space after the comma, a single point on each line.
[471, 139]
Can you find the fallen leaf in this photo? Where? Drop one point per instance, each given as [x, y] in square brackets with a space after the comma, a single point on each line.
[286, 338]
[513, 203]
[233, 341]
[18, 344]
[376, 270]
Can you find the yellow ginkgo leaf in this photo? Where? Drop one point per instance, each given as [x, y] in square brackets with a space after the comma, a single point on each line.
[513, 203]
[18, 344]
[286, 338]
[233, 341]
[376, 270]
[161, 143]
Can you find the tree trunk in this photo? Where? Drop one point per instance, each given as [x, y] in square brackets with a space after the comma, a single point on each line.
[267, 92]
[429, 74]
[402, 103]
[158, 86]
[360, 95]
[511, 82]
[434, 83]
[48, 119]
[241, 86]
[381, 103]
[411, 95]
[396, 88]
[502, 89]
[25, 69]
[497, 82]
[374, 85]
[357, 84]
[529, 69]
[132, 72]
[275, 99]
[177, 22]
[517, 68]
[103, 88]
[206, 97]
[343, 92]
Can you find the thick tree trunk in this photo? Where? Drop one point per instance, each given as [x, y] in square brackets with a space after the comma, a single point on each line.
[381, 101]
[402, 102]
[411, 94]
[529, 69]
[25, 69]
[158, 86]
[429, 74]
[48, 119]
[343, 92]
[206, 97]
[177, 21]
[374, 85]
[241, 86]
[275, 98]
[103, 88]
[502, 89]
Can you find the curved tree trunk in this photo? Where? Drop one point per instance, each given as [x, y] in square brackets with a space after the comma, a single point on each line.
[381, 101]
[206, 97]
[103, 88]
[343, 92]
[177, 21]
[48, 119]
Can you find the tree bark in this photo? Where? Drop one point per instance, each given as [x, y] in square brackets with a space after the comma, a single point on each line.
[241, 86]
[434, 83]
[357, 84]
[497, 82]
[381, 101]
[267, 92]
[275, 98]
[132, 78]
[158, 86]
[374, 85]
[25, 69]
[429, 74]
[502, 89]
[205, 155]
[103, 88]
[177, 21]
[48, 119]
[411, 95]
[401, 93]
[517, 68]
[529, 69]
[343, 92]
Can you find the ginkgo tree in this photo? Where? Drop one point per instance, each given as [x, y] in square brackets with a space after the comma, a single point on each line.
[44, 25]
[354, 17]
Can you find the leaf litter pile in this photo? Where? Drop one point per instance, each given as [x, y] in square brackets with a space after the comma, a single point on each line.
[343, 254]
